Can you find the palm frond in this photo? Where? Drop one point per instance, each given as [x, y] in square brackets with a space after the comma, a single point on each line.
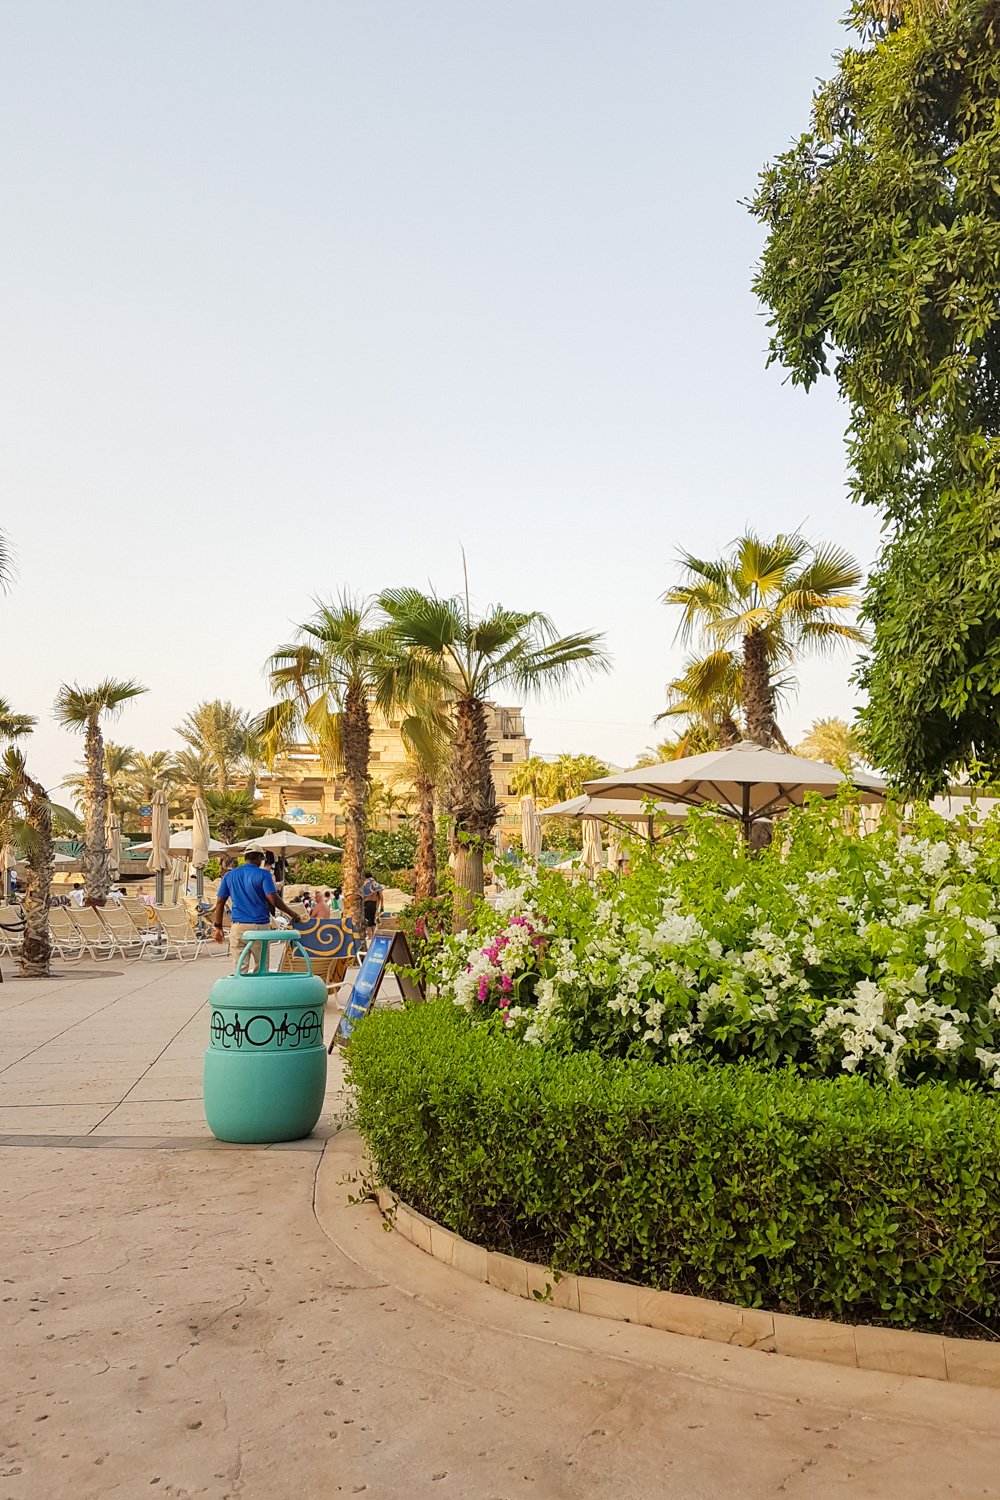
[75, 706]
[14, 726]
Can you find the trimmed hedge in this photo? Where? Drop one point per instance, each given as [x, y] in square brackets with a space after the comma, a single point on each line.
[836, 1198]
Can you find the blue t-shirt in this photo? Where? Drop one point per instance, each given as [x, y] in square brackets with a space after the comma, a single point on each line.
[247, 888]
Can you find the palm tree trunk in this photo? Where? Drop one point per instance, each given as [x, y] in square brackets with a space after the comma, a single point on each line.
[356, 734]
[426, 837]
[758, 695]
[96, 875]
[36, 944]
[729, 733]
[475, 807]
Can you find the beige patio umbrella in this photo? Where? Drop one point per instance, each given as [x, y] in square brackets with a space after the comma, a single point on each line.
[7, 863]
[745, 782]
[113, 841]
[159, 860]
[630, 816]
[183, 841]
[283, 843]
[531, 829]
[592, 851]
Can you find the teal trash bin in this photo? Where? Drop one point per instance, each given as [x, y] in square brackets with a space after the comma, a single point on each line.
[265, 1068]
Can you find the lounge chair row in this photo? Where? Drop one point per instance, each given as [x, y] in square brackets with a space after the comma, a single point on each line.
[131, 929]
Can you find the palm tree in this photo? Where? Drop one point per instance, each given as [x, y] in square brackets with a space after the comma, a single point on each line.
[229, 814]
[834, 741]
[383, 801]
[220, 730]
[342, 666]
[26, 821]
[425, 731]
[119, 761]
[696, 739]
[531, 778]
[769, 601]
[707, 694]
[476, 657]
[13, 726]
[81, 708]
[194, 768]
[194, 773]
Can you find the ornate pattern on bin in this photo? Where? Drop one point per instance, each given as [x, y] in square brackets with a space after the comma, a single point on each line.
[262, 1031]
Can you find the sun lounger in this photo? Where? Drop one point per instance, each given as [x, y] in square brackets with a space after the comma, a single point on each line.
[99, 940]
[138, 911]
[66, 937]
[121, 926]
[181, 937]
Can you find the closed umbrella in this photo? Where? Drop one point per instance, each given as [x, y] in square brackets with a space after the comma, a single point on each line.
[113, 840]
[7, 863]
[614, 848]
[159, 859]
[592, 850]
[531, 829]
[200, 841]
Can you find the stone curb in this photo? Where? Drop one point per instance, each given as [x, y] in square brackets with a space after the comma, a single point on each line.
[888, 1350]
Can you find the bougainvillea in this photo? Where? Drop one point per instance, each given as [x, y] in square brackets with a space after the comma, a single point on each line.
[876, 954]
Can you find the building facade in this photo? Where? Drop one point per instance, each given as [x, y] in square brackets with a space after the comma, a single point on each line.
[302, 794]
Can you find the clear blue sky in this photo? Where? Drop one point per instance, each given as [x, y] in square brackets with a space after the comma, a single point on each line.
[301, 295]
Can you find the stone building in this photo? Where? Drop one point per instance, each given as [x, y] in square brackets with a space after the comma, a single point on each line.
[302, 794]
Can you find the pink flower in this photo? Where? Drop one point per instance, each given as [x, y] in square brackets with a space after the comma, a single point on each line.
[505, 983]
[484, 987]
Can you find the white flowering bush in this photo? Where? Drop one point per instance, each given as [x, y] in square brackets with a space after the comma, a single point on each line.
[877, 955]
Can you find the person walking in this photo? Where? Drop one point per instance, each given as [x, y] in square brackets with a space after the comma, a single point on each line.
[253, 897]
[371, 895]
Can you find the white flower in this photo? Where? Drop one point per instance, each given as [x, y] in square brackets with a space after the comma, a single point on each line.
[949, 1037]
[934, 859]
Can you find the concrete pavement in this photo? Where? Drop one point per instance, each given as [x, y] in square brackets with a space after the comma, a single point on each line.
[186, 1319]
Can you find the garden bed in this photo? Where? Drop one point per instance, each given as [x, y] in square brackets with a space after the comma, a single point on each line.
[829, 1197]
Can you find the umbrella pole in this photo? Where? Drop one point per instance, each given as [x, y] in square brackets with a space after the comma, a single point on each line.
[159, 887]
[746, 812]
[199, 882]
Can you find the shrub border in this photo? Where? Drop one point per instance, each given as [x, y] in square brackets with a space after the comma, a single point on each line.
[859, 1346]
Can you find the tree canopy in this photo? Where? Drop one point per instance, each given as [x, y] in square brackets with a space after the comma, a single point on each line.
[883, 262]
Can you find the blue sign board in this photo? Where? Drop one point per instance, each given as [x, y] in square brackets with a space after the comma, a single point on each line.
[366, 985]
[385, 947]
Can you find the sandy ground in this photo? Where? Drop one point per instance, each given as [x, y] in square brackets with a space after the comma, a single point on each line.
[185, 1319]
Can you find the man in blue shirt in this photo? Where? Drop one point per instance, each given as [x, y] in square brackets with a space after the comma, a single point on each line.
[253, 896]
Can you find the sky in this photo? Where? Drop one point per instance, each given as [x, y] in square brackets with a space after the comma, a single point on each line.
[300, 297]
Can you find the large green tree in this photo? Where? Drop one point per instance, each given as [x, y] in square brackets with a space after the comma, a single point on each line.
[882, 262]
[478, 656]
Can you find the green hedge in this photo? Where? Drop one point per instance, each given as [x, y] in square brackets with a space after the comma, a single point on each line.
[837, 1198]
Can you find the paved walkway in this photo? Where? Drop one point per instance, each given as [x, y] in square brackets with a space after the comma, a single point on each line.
[185, 1319]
